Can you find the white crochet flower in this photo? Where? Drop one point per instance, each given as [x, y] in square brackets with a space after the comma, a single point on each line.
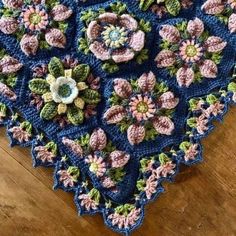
[64, 90]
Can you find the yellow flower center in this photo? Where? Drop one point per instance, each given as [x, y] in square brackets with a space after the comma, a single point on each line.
[191, 51]
[35, 18]
[142, 107]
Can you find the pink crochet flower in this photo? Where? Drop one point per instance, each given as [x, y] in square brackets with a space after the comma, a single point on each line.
[34, 18]
[66, 178]
[201, 124]
[225, 9]
[151, 185]
[191, 153]
[142, 108]
[44, 155]
[87, 202]
[165, 170]
[114, 37]
[189, 56]
[123, 220]
[97, 165]
[190, 51]
[37, 21]
[20, 134]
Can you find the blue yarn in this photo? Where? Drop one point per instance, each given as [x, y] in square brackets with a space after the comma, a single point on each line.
[53, 132]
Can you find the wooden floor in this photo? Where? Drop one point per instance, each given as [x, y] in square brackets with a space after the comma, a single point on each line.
[202, 202]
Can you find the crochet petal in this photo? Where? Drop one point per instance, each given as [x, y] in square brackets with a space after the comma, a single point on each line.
[195, 27]
[215, 44]
[8, 25]
[55, 38]
[98, 140]
[122, 55]
[122, 88]
[168, 100]
[136, 134]
[61, 12]
[137, 41]
[170, 33]
[128, 22]
[165, 58]
[100, 51]
[29, 44]
[232, 23]
[108, 17]
[115, 114]
[163, 125]
[93, 30]
[213, 7]
[208, 69]
[185, 76]
[9, 65]
[147, 82]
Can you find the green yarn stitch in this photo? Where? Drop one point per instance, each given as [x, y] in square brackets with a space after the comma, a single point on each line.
[81, 72]
[56, 67]
[39, 86]
[75, 115]
[49, 111]
[90, 96]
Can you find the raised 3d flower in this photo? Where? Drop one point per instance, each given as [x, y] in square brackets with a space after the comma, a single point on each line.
[35, 23]
[9, 67]
[162, 7]
[189, 53]
[66, 92]
[114, 37]
[224, 10]
[142, 108]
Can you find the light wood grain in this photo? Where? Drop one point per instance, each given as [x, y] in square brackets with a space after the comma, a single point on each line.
[202, 201]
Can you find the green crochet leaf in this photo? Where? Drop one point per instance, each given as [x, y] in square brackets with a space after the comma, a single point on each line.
[39, 86]
[55, 67]
[49, 111]
[173, 7]
[75, 115]
[145, 4]
[91, 96]
[81, 72]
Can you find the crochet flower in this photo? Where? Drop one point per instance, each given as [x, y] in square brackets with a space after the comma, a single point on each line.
[35, 23]
[90, 200]
[22, 133]
[47, 153]
[9, 67]
[142, 108]
[69, 177]
[224, 10]
[101, 156]
[125, 216]
[66, 92]
[97, 165]
[114, 37]
[189, 53]
[162, 7]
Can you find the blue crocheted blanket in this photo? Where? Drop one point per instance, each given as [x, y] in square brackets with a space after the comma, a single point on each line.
[115, 95]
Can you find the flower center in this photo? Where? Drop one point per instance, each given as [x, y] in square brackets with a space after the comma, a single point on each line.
[114, 36]
[64, 91]
[35, 18]
[142, 107]
[191, 51]
[93, 167]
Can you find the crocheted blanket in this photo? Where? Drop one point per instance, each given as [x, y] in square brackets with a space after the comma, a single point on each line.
[115, 95]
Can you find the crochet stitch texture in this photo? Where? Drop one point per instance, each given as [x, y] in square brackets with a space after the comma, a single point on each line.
[115, 95]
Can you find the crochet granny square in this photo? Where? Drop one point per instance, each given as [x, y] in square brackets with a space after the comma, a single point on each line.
[115, 95]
